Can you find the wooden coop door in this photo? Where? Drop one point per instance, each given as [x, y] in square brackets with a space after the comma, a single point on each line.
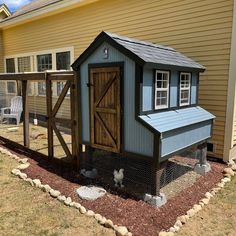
[105, 108]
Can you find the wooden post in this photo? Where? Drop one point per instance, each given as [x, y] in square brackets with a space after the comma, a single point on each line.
[78, 122]
[157, 168]
[49, 115]
[203, 153]
[25, 113]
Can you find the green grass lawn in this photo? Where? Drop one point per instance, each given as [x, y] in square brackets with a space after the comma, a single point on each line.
[216, 219]
[26, 210]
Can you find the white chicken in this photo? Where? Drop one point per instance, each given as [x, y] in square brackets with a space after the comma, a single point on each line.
[118, 177]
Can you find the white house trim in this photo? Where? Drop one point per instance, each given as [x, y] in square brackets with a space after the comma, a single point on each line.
[229, 150]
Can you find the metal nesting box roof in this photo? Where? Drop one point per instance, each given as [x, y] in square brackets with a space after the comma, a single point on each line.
[170, 120]
[140, 51]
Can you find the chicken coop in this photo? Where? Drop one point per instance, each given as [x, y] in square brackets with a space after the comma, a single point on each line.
[139, 100]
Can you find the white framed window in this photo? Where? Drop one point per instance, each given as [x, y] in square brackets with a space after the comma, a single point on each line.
[162, 89]
[24, 64]
[185, 86]
[11, 87]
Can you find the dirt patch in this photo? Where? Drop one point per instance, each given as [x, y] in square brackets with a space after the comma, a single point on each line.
[25, 210]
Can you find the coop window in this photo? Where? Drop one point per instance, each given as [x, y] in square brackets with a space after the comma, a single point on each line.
[11, 87]
[10, 65]
[161, 89]
[24, 64]
[185, 85]
[44, 62]
[63, 60]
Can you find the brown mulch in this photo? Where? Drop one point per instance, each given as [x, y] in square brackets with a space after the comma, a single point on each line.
[139, 217]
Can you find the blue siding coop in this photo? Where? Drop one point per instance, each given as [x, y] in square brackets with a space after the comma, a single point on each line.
[140, 99]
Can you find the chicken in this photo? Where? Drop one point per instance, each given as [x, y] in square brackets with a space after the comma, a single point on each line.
[91, 174]
[118, 177]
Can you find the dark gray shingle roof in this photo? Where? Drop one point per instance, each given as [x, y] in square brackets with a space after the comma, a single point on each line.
[154, 53]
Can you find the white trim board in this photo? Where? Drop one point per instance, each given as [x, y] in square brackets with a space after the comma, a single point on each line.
[231, 98]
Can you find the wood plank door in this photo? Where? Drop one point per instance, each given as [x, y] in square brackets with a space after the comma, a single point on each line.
[105, 108]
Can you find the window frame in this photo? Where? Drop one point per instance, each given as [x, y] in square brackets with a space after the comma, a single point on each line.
[7, 91]
[167, 89]
[185, 89]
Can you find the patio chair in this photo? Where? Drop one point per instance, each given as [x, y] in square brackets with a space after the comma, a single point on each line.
[14, 111]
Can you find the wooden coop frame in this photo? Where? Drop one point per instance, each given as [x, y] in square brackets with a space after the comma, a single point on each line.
[51, 111]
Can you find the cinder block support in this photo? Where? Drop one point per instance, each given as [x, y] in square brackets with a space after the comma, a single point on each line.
[203, 166]
[156, 198]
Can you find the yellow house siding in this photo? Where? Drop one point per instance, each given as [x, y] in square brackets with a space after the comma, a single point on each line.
[1, 54]
[199, 29]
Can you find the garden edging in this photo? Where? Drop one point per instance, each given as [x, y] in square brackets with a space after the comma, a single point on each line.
[181, 220]
[24, 164]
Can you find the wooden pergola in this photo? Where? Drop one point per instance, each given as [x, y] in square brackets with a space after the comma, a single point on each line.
[70, 79]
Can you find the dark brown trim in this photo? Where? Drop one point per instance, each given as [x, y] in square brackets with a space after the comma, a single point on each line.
[138, 89]
[25, 113]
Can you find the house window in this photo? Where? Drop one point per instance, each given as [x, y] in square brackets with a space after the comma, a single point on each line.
[63, 60]
[11, 87]
[41, 88]
[44, 62]
[24, 64]
[161, 89]
[63, 63]
[185, 85]
[10, 65]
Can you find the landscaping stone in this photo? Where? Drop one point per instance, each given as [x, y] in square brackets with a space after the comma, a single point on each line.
[172, 229]
[98, 217]
[90, 213]
[197, 208]
[183, 219]
[46, 188]
[191, 213]
[23, 166]
[68, 201]
[129, 234]
[54, 193]
[23, 176]
[166, 233]
[221, 185]
[102, 221]
[121, 231]
[227, 175]
[108, 223]
[208, 195]
[61, 198]
[177, 228]
[77, 205]
[205, 201]
[30, 181]
[90, 193]
[201, 204]
[82, 210]
[233, 167]
[178, 223]
[37, 182]
[23, 161]
[15, 172]
[226, 180]
[228, 171]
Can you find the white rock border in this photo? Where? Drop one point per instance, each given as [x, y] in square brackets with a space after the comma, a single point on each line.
[228, 172]
[119, 230]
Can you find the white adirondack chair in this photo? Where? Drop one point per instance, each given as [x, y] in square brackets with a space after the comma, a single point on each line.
[14, 111]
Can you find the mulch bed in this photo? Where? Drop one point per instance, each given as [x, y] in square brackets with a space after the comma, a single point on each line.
[139, 217]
